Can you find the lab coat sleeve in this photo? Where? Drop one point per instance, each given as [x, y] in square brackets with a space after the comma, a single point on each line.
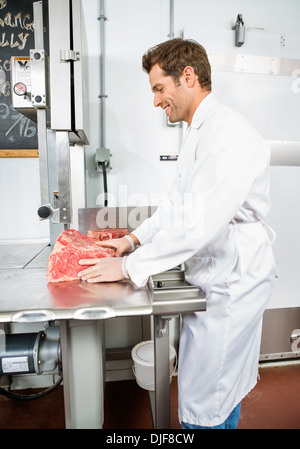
[203, 201]
[147, 230]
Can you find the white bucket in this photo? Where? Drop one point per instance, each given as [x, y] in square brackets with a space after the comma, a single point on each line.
[143, 369]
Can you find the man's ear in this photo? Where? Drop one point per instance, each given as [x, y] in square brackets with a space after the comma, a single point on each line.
[189, 76]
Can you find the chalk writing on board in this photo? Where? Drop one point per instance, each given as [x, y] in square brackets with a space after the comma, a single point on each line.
[16, 39]
[21, 126]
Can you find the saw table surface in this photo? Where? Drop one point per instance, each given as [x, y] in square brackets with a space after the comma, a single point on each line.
[26, 295]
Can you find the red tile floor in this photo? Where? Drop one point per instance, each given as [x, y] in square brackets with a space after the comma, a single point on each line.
[273, 404]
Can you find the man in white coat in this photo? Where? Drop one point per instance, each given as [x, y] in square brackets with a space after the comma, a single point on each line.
[212, 222]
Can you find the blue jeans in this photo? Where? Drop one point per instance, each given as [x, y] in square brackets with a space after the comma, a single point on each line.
[230, 423]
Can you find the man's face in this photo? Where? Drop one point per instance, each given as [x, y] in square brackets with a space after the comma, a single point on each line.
[173, 98]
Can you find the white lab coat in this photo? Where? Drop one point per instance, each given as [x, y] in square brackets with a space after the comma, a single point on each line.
[212, 221]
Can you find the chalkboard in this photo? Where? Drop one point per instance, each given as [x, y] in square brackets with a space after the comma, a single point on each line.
[18, 134]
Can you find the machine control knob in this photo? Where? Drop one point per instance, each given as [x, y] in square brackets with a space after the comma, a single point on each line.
[44, 212]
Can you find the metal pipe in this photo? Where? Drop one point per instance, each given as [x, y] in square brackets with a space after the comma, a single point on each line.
[102, 95]
[171, 33]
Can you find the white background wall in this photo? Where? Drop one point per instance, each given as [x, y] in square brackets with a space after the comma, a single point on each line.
[136, 132]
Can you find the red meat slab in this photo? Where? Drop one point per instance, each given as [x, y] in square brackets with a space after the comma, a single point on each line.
[106, 234]
[70, 247]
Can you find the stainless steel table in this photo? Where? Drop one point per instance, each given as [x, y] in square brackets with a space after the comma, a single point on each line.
[26, 297]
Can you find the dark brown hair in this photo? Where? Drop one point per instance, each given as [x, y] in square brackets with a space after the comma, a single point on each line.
[174, 55]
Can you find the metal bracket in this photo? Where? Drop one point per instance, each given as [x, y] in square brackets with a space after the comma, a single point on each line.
[39, 76]
[295, 335]
[162, 326]
[162, 329]
[168, 157]
[239, 29]
[69, 55]
[102, 157]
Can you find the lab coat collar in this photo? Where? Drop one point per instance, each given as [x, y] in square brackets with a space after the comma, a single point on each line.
[201, 111]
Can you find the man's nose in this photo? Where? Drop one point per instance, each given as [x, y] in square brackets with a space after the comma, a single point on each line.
[157, 100]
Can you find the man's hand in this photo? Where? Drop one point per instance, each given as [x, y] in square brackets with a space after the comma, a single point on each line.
[102, 270]
[121, 245]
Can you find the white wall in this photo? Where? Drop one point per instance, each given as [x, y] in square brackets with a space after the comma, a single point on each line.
[20, 200]
[136, 134]
[275, 16]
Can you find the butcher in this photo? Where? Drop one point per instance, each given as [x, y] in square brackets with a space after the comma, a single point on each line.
[212, 222]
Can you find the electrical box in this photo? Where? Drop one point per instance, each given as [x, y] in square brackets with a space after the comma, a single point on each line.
[21, 86]
[29, 77]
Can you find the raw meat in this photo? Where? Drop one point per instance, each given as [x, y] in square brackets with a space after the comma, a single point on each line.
[106, 234]
[70, 247]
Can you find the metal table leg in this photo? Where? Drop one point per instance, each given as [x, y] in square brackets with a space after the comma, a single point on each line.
[161, 413]
[82, 361]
